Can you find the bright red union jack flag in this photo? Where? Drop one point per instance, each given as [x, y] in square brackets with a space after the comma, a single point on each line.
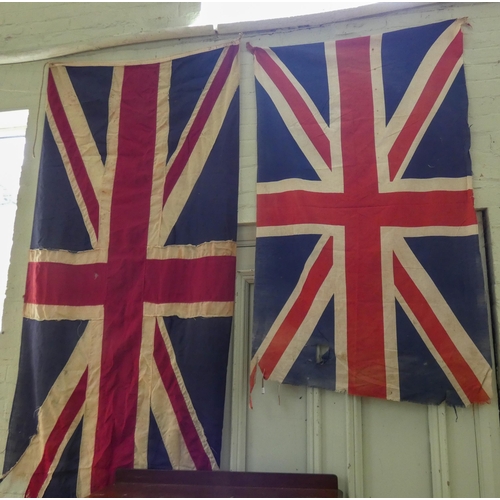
[130, 285]
[368, 275]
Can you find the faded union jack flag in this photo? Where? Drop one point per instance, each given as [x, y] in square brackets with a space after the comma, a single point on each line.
[130, 285]
[368, 276]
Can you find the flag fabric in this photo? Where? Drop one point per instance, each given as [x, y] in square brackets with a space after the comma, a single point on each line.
[130, 284]
[368, 276]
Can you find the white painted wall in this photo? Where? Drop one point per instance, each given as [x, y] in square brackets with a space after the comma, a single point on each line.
[30, 26]
[376, 448]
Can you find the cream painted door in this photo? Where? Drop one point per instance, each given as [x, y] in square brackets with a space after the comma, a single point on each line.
[377, 448]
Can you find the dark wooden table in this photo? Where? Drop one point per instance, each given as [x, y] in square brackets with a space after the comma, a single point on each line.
[134, 483]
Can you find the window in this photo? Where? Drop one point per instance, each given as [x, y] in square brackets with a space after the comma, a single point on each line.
[12, 142]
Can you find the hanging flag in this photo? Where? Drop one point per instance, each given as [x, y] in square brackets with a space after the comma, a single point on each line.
[368, 276]
[130, 285]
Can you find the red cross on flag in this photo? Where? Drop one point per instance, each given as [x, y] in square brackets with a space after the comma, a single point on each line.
[368, 274]
[130, 284]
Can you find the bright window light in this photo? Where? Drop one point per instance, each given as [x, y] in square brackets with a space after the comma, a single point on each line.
[12, 141]
[231, 12]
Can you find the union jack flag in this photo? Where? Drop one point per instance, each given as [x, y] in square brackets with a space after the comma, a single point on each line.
[368, 277]
[130, 284]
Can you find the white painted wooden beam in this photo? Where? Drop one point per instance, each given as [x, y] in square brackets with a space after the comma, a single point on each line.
[354, 431]
[438, 436]
[313, 429]
[115, 41]
[239, 399]
[488, 455]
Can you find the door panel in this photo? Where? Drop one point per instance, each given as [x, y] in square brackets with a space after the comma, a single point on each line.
[377, 448]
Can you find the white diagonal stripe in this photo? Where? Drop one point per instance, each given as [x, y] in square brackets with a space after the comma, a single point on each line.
[432, 349]
[295, 128]
[312, 320]
[171, 434]
[192, 412]
[305, 330]
[418, 83]
[427, 122]
[199, 155]
[71, 177]
[48, 414]
[385, 136]
[79, 127]
[464, 344]
[389, 238]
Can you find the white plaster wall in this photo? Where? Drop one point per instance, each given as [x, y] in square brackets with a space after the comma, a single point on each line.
[377, 448]
[28, 26]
